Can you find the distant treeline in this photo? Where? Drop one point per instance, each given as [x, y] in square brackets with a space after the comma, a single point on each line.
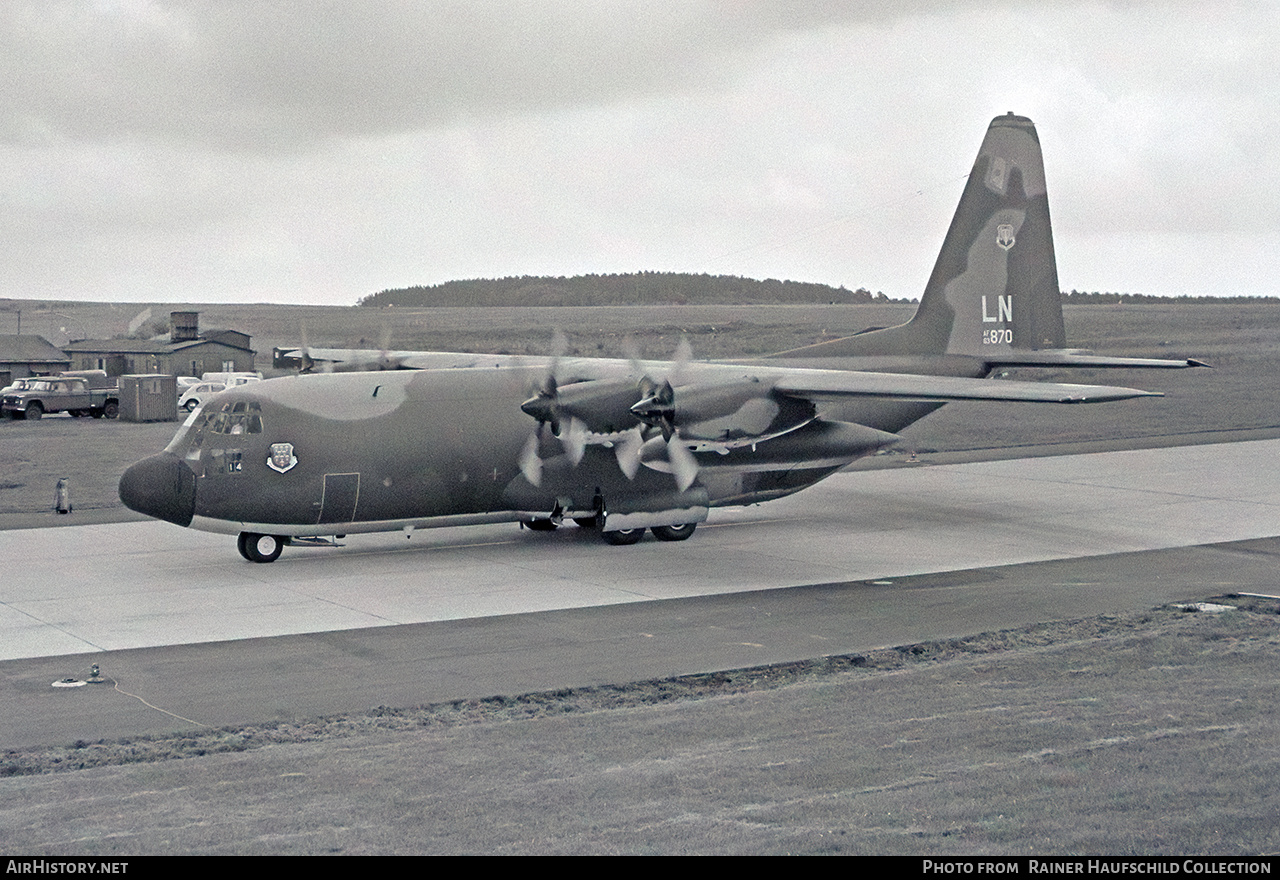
[638, 288]
[1079, 297]
[675, 288]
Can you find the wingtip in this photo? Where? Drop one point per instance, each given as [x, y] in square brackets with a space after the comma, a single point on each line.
[1107, 394]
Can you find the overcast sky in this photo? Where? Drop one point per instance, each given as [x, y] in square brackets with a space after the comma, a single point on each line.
[318, 152]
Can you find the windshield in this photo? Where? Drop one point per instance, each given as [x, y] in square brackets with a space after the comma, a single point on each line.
[236, 419]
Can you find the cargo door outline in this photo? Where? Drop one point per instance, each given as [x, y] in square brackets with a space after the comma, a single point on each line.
[339, 498]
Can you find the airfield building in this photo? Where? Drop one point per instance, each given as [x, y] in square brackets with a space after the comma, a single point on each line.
[29, 355]
[186, 351]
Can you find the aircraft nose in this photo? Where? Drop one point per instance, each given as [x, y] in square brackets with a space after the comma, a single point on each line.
[161, 486]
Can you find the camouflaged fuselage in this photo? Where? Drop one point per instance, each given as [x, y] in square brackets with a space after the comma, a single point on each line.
[364, 451]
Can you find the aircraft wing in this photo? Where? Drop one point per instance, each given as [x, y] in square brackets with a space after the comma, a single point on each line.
[837, 385]
[809, 384]
[802, 383]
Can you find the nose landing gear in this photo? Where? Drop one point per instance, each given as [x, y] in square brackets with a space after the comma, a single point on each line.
[260, 548]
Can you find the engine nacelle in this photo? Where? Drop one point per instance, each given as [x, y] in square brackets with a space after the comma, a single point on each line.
[817, 444]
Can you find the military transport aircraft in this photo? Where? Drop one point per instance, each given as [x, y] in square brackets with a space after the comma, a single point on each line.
[624, 445]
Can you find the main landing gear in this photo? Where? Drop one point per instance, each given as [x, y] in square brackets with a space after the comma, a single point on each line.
[619, 537]
[624, 537]
[596, 522]
[681, 532]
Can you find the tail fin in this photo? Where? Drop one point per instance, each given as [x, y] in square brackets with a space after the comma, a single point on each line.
[994, 289]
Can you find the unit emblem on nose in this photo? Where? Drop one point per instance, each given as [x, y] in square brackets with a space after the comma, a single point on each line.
[282, 457]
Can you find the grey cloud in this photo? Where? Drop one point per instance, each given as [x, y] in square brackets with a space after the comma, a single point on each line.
[286, 75]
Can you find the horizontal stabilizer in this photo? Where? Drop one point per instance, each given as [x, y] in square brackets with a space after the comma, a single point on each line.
[1070, 358]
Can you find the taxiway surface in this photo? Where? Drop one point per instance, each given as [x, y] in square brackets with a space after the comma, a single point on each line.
[863, 560]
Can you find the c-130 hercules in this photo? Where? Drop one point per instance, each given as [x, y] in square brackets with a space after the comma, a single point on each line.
[622, 445]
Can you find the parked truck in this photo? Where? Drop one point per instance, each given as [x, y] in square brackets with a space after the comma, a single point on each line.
[87, 393]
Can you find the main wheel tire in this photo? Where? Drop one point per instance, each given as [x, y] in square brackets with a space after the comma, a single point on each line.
[260, 548]
[586, 522]
[623, 537]
[541, 525]
[111, 410]
[34, 411]
[674, 533]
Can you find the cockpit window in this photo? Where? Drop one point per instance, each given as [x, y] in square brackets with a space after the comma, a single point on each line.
[229, 420]
[241, 417]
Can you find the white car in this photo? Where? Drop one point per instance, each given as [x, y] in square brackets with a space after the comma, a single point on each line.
[198, 394]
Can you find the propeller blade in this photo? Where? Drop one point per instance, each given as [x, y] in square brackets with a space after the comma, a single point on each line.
[530, 461]
[683, 465]
[670, 457]
[575, 440]
[627, 451]
[385, 361]
[684, 354]
[559, 345]
[305, 362]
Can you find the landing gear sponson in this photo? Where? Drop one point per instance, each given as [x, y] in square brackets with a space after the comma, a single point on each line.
[266, 548]
[256, 547]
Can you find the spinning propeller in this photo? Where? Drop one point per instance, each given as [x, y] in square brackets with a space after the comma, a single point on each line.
[306, 363]
[608, 412]
[544, 407]
[357, 360]
[657, 409]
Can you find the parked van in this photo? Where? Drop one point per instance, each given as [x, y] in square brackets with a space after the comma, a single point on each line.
[231, 380]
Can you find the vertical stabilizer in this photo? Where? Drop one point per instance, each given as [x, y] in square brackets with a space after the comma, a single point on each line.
[994, 288]
[995, 285]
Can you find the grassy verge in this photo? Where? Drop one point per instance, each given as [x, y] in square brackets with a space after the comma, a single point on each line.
[1149, 733]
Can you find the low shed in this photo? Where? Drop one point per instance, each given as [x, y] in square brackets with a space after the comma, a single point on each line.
[148, 398]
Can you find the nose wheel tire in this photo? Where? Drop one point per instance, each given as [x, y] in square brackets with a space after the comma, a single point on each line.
[260, 548]
[674, 533]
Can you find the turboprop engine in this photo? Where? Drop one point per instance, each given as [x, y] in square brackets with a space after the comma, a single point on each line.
[724, 416]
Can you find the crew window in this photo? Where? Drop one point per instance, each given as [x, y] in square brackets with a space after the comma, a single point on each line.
[232, 420]
[241, 417]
